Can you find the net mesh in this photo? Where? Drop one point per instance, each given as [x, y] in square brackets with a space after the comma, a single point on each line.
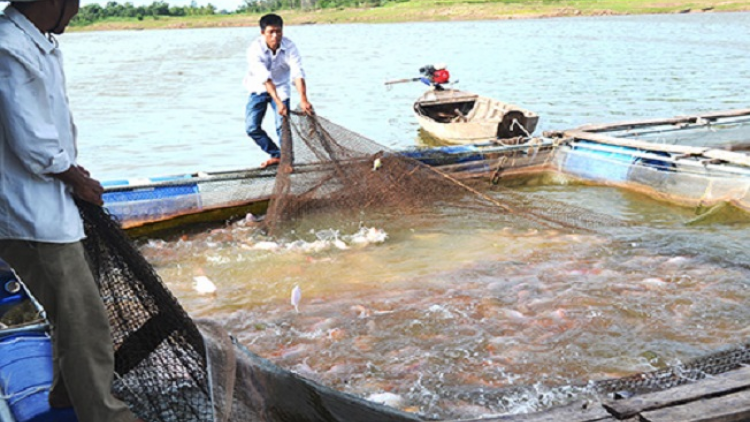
[159, 352]
[695, 370]
[327, 169]
[170, 368]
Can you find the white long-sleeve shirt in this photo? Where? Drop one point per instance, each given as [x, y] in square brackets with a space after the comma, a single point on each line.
[37, 137]
[281, 68]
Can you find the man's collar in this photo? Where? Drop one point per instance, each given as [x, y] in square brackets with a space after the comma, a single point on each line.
[264, 47]
[25, 25]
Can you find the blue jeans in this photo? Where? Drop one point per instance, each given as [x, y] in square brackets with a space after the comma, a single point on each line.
[255, 111]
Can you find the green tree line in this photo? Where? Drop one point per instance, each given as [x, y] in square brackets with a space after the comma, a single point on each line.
[262, 6]
[92, 13]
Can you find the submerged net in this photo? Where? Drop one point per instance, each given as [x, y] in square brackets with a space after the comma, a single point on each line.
[170, 368]
[695, 370]
[326, 169]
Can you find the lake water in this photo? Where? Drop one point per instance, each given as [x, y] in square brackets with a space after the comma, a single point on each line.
[446, 313]
[162, 102]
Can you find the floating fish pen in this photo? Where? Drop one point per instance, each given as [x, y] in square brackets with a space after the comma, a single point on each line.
[704, 171]
[641, 156]
[644, 157]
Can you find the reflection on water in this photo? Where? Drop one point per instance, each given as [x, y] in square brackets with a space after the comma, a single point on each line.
[454, 319]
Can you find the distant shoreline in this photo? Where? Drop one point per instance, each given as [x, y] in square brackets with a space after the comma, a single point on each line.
[431, 11]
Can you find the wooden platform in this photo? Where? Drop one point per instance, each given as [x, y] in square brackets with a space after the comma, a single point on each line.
[719, 398]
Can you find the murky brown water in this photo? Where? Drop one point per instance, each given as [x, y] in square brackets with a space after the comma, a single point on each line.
[446, 313]
[449, 316]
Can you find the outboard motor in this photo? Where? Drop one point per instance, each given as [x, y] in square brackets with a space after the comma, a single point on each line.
[435, 75]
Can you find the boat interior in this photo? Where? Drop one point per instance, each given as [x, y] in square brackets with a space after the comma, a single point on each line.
[476, 109]
[447, 112]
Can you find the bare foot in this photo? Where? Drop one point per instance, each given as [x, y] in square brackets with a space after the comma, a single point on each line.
[273, 161]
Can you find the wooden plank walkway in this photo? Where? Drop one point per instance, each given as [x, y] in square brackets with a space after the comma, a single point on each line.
[719, 398]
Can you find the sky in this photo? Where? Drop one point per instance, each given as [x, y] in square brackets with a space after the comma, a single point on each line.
[230, 5]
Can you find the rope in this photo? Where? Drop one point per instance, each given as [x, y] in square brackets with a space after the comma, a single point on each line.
[527, 215]
[516, 123]
[16, 397]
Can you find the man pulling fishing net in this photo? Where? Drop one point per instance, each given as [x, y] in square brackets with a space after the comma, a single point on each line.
[273, 62]
[40, 228]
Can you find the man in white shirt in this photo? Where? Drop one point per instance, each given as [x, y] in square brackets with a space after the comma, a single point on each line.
[273, 62]
[40, 227]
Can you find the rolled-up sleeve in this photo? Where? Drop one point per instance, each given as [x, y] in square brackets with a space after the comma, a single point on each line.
[26, 117]
[256, 66]
[295, 63]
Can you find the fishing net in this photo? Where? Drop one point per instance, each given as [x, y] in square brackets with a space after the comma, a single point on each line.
[695, 370]
[329, 170]
[159, 352]
[169, 370]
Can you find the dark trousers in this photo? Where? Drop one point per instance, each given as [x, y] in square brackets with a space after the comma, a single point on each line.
[58, 276]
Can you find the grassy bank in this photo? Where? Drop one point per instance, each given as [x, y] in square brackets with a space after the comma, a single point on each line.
[439, 10]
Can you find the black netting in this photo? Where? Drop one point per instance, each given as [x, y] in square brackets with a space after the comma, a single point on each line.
[160, 358]
[169, 369]
[695, 370]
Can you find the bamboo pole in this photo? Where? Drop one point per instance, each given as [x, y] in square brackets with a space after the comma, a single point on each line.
[733, 157]
[634, 143]
[669, 121]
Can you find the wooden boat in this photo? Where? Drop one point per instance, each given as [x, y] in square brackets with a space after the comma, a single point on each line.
[154, 205]
[684, 175]
[459, 117]
[160, 205]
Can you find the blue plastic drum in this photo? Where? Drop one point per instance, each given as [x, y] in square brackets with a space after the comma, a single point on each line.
[26, 376]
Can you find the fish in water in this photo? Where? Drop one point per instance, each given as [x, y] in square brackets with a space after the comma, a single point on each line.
[296, 296]
[204, 285]
[340, 244]
[388, 399]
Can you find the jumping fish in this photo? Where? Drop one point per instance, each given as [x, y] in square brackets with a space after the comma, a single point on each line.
[296, 296]
[204, 285]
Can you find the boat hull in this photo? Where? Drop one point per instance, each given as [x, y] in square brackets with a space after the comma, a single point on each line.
[684, 182]
[458, 117]
[687, 176]
[162, 206]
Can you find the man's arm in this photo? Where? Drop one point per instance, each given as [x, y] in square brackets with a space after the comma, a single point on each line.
[27, 118]
[302, 89]
[280, 106]
[31, 131]
[298, 75]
